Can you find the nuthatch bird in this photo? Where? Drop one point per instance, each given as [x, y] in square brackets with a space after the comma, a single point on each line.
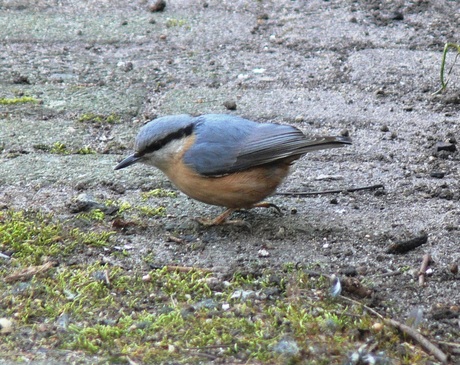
[223, 159]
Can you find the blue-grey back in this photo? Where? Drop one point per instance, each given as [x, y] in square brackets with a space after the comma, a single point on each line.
[227, 143]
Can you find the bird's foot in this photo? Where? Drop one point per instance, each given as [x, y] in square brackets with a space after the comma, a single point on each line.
[222, 219]
[267, 205]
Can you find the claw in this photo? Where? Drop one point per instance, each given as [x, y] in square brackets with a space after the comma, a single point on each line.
[222, 218]
[267, 205]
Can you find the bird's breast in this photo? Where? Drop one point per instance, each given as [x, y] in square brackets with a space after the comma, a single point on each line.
[237, 190]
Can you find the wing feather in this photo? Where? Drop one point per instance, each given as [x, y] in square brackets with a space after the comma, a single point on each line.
[226, 144]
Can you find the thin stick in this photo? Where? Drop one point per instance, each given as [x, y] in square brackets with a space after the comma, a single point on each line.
[350, 190]
[186, 269]
[417, 337]
[175, 239]
[29, 272]
[422, 273]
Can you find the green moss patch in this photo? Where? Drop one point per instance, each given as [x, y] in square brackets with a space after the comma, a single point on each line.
[18, 100]
[171, 314]
[99, 118]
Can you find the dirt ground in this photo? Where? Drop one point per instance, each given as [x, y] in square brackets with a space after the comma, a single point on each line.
[367, 68]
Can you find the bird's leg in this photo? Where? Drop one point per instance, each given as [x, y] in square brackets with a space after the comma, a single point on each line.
[220, 219]
[267, 205]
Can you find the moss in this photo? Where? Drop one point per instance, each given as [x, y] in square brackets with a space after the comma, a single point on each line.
[172, 22]
[59, 148]
[19, 100]
[122, 206]
[99, 118]
[31, 236]
[172, 316]
[85, 151]
[95, 215]
[158, 193]
[152, 211]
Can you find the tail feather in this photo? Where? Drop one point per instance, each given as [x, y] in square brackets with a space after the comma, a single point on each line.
[325, 143]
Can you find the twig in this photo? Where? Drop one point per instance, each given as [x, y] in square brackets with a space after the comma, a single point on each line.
[186, 269]
[412, 333]
[406, 246]
[451, 344]
[175, 239]
[422, 273]
[417, 337]
[338, 191]
[387, 274]
[106, 277]
[29, 272]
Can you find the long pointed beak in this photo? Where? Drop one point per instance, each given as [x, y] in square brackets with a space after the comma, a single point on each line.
[128, 161]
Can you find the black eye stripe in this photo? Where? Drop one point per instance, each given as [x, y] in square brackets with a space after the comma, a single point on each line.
[156, 145]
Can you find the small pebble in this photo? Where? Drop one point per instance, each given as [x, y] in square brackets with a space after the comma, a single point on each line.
[125, 66]
[299, 119]
[377, 327]
[263, 253]
[84, 203]
[397, 15]
[263, 16]
[21, 79]
[6, 326]
[453, 268]
[437, 174]
[444, 146]
[344, 133]
[159, 6]
[147, 278]
[63, 321]
[287, 347]
[230, 105]
[384, 128]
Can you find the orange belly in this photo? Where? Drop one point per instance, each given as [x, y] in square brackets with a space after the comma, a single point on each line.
[237, 190]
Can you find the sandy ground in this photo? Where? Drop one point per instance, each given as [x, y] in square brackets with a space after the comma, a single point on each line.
[365, 67]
